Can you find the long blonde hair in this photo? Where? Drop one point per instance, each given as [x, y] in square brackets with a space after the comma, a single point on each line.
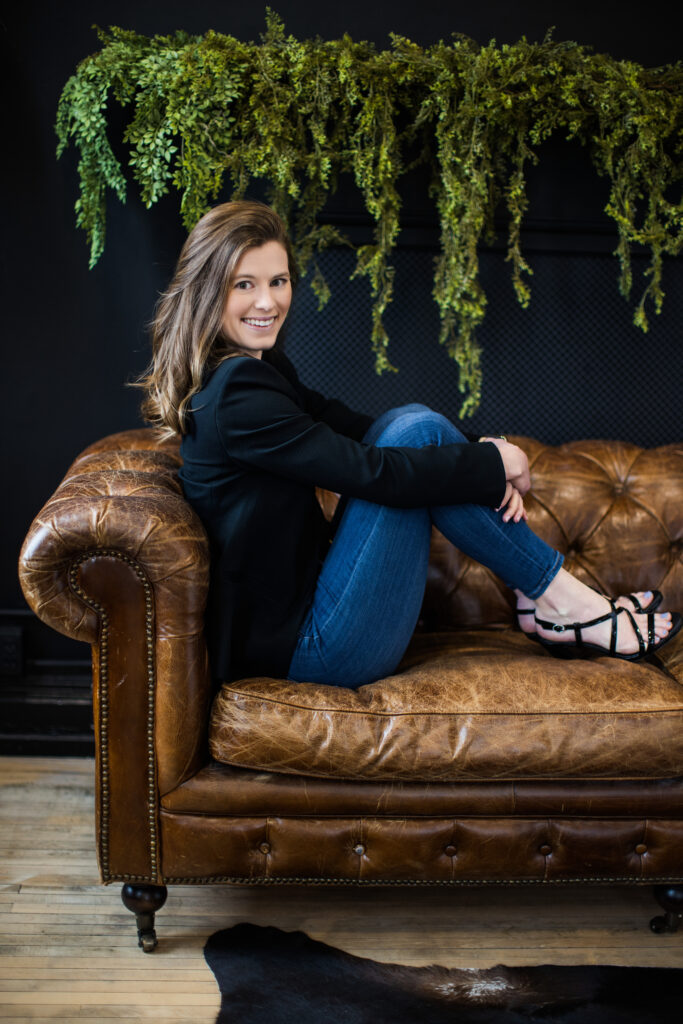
[186, 335]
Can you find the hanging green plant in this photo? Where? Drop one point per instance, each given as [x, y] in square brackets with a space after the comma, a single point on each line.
[297, 114]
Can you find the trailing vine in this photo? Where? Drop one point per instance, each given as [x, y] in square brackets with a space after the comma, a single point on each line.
[210, 110]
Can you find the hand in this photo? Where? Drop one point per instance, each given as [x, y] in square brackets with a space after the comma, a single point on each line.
[515, 464]
[515, 506]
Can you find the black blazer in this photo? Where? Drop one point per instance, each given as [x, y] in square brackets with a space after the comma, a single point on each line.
[258, 444]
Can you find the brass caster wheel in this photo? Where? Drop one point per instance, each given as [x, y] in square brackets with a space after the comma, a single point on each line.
[147, 941]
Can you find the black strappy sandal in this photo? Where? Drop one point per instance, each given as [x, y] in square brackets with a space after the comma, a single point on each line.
[651, 606]
[653, 644]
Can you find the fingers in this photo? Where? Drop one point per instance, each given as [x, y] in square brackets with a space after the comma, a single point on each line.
[515, 510]
[513, 503]
[517, 513]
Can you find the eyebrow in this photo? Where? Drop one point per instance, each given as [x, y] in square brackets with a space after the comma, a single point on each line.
[251, 277]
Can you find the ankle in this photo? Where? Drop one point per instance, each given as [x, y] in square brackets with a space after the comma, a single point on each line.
[553, 603]
[551, 607]
[567, 598]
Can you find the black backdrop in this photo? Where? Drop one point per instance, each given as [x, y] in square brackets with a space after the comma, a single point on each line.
[570, 366]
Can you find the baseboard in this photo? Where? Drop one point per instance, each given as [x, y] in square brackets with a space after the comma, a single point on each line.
[46, 715]
[46, 746]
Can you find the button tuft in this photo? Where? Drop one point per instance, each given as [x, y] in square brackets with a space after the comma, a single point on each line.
[450, 850]
[264, 847]
[641, 848]
[545, 849]
[359, 849]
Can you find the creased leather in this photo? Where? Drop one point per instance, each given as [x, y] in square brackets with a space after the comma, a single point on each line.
[468, 706]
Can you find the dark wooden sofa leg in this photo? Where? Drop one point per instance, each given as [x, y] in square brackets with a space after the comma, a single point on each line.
[144, 901]
[670, 897]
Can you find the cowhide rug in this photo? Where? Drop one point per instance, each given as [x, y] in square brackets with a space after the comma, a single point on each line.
[267, 975]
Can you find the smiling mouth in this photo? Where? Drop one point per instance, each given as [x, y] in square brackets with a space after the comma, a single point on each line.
[253, 322]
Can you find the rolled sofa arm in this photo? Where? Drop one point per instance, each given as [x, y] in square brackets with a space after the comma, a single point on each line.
[118, 559]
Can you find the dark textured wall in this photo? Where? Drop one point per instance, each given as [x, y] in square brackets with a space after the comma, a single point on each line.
[73, 337]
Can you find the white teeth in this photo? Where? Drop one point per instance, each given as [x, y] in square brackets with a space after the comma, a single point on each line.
[258, 323]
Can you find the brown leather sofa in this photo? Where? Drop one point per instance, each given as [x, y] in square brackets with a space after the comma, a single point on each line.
[484, 760]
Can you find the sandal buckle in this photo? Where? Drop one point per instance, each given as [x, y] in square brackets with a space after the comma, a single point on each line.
[557, 628]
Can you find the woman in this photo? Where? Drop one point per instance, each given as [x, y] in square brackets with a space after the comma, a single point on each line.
[289, 595]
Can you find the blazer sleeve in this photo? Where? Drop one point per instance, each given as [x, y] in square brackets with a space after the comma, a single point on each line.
[263, 427]
[336, 414]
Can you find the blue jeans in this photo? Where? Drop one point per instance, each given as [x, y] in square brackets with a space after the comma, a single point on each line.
[370, 588]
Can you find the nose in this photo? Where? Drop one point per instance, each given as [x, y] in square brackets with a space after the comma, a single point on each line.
[263, 299]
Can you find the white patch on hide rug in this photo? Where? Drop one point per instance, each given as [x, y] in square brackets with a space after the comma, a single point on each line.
[474, 988]
[487, 987]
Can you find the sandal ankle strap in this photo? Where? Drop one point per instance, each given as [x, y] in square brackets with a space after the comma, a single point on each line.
[643, 646]
[612, 614]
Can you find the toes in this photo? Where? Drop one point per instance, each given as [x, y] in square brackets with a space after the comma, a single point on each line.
[662, 624]
[643, 597]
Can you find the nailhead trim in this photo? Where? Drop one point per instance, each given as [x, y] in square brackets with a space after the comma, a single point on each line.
[267, 880]
[103, 723]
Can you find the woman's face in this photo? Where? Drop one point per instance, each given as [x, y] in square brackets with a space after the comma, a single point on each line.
[259, 298]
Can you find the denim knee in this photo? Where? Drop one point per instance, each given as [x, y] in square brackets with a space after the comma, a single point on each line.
[413, 425]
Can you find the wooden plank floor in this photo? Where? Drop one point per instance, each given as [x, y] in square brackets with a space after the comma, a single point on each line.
[69, 950]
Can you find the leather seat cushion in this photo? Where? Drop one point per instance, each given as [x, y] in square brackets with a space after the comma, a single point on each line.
[467, 706]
